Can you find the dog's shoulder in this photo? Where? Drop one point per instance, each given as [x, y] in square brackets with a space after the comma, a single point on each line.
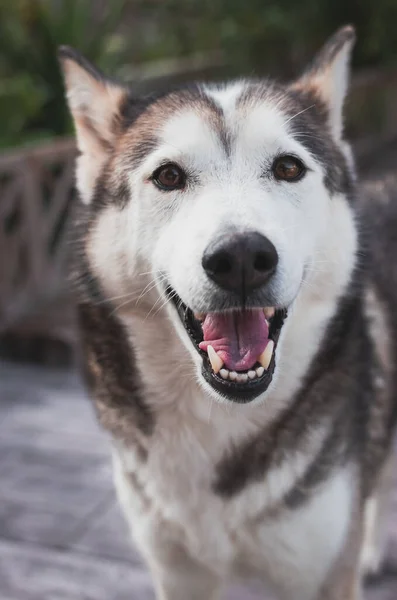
[108, 366]
[377, 214]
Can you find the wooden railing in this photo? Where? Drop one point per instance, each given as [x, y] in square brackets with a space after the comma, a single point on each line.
[36, 200]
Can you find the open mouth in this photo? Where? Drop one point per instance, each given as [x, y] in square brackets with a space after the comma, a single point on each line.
[238, 347]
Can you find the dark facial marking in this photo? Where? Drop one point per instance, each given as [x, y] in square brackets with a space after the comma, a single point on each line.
[108, 359]
[308, 124]
[142, 149]
[84, 282]
[217, 121]
[135, 129]
[142, 118]
[112, 374]
[333, 454]
[310, 127]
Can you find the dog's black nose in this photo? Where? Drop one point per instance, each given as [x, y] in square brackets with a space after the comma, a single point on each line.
[240, 262]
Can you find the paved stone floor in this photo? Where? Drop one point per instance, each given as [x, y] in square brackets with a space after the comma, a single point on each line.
[62, 536]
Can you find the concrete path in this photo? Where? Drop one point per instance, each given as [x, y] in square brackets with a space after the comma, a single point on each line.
[62, 536]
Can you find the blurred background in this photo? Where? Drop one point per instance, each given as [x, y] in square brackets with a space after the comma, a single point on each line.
[149, 43]
[57, 509]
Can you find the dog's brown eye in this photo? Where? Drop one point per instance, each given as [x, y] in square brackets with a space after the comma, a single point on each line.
[169, 177]
[288, 168]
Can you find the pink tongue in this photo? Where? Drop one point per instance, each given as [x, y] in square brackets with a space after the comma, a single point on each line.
[238, 337]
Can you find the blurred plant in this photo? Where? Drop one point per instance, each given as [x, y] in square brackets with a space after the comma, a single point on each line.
[270, 36]
[31, 86]
[254, 36]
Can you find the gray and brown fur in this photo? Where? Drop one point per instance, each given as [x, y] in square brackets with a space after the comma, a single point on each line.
[349, 389]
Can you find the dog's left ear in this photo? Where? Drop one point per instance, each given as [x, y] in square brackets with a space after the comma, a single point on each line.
[328, 76]
[95, 103]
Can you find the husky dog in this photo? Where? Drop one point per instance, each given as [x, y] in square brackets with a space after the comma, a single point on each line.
[236, 300]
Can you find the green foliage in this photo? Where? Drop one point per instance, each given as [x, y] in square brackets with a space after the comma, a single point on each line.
[31, 86]
[254, 36]
[269, 35]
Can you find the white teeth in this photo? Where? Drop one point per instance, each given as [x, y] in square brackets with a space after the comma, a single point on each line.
[215, 360]
[242, 377]
[224, 373]
[266, 356]
[239, 377]
[269, 312]
[260, 371]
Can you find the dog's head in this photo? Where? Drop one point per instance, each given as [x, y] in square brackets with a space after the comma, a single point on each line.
[216, 201]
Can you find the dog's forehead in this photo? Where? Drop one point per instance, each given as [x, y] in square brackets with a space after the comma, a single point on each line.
[225, 118]
[213, 118]
[206, 124]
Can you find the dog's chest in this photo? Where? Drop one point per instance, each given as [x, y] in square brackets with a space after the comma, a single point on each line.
[172, 489]
[173, 494]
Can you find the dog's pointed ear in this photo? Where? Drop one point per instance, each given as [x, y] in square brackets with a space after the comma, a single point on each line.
[328, 76]
[95, 104]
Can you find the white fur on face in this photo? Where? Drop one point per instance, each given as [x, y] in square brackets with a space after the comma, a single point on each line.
[168, 232]
[235, 191]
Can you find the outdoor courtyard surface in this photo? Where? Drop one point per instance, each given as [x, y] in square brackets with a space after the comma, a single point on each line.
[62, 536]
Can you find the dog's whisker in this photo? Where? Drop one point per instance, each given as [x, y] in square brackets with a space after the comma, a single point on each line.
[299, 113]
[119, 307]
[131, 296]
[134, 298]
[308, 135]
[163, 305]
[166, 301]
[149, 287]
[315, 270]
[120, 297]
[160, 299]
[138, 297]
[172, 146]
[145, 273]
[305, 283]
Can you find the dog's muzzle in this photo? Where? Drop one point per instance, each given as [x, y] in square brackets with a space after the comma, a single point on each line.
[238, 347]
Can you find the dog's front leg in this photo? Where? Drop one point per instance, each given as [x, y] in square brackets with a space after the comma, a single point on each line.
[176, 575]
[180, 578]
[345, 579]
[348, 587]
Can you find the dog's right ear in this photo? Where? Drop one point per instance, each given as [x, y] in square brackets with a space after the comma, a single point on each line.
[95, 104]
[328, 77]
